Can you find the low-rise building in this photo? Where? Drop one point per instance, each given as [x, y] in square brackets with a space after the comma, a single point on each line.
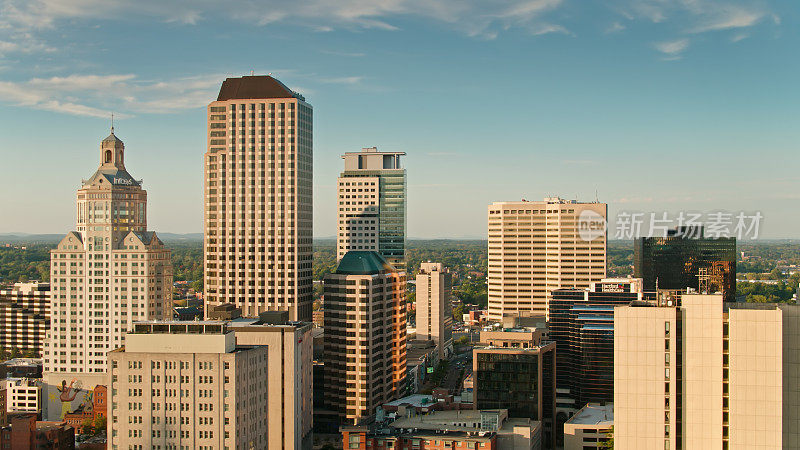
[21, 368]
[23, 431]
[475, 429]
[23, 395]
[589, 428]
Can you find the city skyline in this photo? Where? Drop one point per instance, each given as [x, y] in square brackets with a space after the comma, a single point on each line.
[676, 83]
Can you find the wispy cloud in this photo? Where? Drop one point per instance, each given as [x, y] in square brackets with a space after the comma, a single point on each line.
[615, 27]
[672, 49]
[716, 19]
[474, 17]
[102, 94]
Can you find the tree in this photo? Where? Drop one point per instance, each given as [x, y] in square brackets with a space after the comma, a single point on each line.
[609, 442]
[99, 424]
[87, 426]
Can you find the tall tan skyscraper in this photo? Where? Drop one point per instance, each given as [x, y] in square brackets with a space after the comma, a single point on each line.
[707, 374]
[365, 335]
[372, 205]
[537, 247]
[109, 273]
[187, 385]
[258, 198]
[434, 312]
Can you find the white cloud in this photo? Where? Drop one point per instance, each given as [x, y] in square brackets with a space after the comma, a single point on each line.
[615, 27]
[102, 94]
[473, 17]
[672, 49]
[718, 19]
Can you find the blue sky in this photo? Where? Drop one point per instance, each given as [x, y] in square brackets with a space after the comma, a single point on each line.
[655, 105]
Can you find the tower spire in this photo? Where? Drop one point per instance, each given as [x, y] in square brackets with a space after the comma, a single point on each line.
[112, 123]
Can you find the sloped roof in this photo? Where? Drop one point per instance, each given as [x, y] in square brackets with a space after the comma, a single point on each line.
[146, 236]
[362, 263]
[258, 86]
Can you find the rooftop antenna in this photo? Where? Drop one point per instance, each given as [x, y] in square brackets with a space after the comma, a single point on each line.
[252, 72]
[596, 198]
[112, 123]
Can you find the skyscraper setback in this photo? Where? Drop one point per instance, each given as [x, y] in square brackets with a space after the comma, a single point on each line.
[258, 198]
[109, 273]
[372, 205]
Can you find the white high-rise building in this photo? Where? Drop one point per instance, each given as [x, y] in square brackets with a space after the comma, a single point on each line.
[258, 198]
[109, 273]
[538, 247]
[434, 312]
[372, 205]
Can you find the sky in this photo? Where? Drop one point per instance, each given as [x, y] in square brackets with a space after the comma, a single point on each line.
[651, 106]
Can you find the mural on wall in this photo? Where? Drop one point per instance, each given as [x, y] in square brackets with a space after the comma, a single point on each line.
[70, 394]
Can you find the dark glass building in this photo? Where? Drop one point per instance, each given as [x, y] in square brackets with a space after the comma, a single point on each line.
[521, 380]
[582, 326]
[686, 259]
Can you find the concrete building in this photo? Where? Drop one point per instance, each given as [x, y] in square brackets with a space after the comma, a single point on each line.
[365, 336]
[290, 383]
[538, 247]
[109, 273]
[582, 326]
[187, 385]
[372, 205]
[707, 374]
[23, 395]
[518, 375]
[258, 198]
[24, 317]
[434, 312]
[589, 428]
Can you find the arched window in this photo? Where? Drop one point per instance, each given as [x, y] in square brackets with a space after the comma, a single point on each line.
[108, 156]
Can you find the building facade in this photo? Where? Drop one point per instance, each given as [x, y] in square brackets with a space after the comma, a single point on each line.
[434, 312]
[289, 383]
[372, 205]
[187, 385]
[519, 379]
[707, 374]
[684, 258]
[365, 336]
[582, 326]
[590, 428]
[23, 395]
[109, 273]
[24, 316]
[258, 198]
[538, 247]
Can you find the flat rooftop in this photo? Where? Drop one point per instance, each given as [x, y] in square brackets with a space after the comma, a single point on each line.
[416, 400]
[593, 415]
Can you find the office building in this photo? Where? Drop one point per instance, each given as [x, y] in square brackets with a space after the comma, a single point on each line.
[684, 258]
[473, 429]
[187, 385]
[104, 276]
[23, 395]
[517, 375]
[372, 205]
[258, 198]
[589, 428]
[707, 374]
[24, 317]
[289, 384]
[365, 336]
[538, 247]
[582, 326]
[434, 312]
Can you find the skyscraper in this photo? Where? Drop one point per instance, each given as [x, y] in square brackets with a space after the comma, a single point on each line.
[258, 198]
[434, 312]
[105, 276]
[537, 247]
[365, 335]
[372, 205]
[109, 273]
[582, 326]
[686, 259]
